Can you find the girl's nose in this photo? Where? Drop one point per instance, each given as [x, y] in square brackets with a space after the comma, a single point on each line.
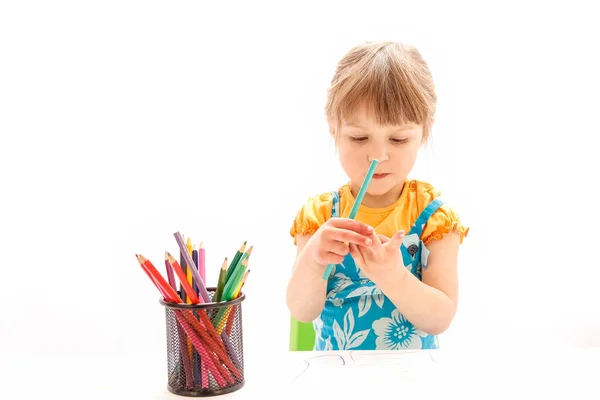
[380, 154]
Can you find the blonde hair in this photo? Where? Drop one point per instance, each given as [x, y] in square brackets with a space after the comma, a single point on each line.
[391, 79]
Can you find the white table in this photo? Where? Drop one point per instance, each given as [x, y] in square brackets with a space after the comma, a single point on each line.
[304, 375]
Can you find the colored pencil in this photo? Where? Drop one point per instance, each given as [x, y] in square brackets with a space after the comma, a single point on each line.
[236, 268]
[236, 259]
[221, 281]
[182, 278]
[229, 315]
[197, 343]
[230, 319]
[212, 339]
[230, 350]
[202, 313]
[247, 254]
[228, 294]
[188, 271]
[170, 275]
[185, 357]
[153, 279]
[201, 286]
[195, 258]
[183, 265]
[237, 291]
[169, 293]
[356, 205]
[202, 261]
[194, 252]
[234, 280]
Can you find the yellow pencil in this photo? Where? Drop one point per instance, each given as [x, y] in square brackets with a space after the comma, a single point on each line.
[240, 285]
[225, 319]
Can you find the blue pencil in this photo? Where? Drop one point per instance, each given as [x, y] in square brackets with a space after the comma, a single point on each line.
[356, 205]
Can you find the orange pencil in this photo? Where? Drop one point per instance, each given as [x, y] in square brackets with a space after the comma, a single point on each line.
[189, 269]
[182, 279]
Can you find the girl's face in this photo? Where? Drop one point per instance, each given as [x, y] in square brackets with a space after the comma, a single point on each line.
[361, 139]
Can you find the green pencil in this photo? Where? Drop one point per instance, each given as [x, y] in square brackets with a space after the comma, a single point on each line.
[229, 290]
[359, 197]
[235, 268]
[221, 281]
[234, 280]
[235, 260]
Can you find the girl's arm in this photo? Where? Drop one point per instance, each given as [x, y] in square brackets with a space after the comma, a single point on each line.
[431, 304]
[306, 289]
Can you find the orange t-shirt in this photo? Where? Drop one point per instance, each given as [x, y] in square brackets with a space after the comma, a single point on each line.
[401, 215]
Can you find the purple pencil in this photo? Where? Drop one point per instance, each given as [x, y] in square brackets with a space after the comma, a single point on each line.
[195, 258]
[192, 266]
[170, 275]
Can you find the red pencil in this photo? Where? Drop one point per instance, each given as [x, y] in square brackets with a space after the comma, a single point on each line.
[167, 291]
[191, 294]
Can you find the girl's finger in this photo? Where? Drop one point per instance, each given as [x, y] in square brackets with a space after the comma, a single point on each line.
[347, 236]
[331, 258]
[336, 247]
[356, 255]
[384, 239]
[396, 241]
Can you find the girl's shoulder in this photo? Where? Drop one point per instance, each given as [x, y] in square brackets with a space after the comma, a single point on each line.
[445, 220]
[312, 214]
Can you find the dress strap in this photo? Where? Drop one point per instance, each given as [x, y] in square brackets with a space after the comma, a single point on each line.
[417, 228]
[335, 204]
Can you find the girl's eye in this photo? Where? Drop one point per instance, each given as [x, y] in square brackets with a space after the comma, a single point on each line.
[359, 138]
[399, 141]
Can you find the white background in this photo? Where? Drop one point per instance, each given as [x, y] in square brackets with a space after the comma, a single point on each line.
[123, 122]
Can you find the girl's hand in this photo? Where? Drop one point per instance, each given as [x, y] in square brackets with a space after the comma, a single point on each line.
[328, 244]
[381, 258]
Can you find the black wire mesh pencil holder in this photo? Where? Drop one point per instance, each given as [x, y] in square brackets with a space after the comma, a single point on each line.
[205, 347]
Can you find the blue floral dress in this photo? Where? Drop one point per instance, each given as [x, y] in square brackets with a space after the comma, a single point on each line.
[358, 316]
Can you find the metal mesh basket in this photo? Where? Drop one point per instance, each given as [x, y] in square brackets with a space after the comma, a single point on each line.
[205, 349]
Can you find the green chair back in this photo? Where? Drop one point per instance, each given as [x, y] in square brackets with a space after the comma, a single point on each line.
[302, 335]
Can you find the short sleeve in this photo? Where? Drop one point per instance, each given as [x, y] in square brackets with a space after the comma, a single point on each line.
[445, 220]
[312, 215]
[442, 222]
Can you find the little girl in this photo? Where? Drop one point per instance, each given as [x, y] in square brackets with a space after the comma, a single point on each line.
[394, 283]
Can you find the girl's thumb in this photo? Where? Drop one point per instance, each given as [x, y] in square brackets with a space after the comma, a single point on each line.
[395, 242]
[397, 239]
